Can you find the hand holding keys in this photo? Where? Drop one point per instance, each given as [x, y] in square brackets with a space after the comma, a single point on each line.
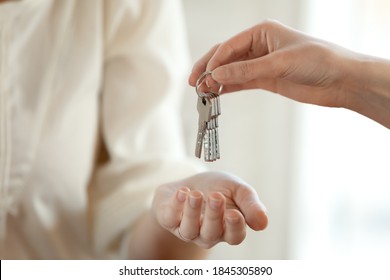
[209, 109]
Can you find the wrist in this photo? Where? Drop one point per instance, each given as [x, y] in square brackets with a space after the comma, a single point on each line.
[367, 88]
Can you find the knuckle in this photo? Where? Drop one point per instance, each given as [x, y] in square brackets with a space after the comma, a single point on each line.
[170, 219]
[215, 47]
[221, 49]
[211, 239]
[245, 69]
[269, 24]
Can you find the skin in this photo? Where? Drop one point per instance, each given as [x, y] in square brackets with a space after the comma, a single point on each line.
[194, 214]
[282, 60]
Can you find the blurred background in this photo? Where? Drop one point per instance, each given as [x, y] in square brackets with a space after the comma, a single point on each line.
[323, 173]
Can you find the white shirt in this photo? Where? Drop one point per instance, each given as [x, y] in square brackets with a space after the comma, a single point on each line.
[78, 78]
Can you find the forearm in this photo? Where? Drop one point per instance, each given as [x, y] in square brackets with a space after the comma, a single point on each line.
[369, 88]
[150, 241]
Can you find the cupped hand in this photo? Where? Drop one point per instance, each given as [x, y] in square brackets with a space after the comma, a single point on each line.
[209, 208]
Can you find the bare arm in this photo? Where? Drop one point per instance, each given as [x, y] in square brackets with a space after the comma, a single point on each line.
[151, 241]
[368, 88]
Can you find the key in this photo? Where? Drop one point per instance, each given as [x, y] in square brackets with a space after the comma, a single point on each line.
[208, 129]
[209, 142]
[216, 141]
[209, 147]
[212, 141]
[204, 108]
[214, 126]
[217, 104]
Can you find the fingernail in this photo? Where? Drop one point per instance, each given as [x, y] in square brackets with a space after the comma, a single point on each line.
[207, 82]
[215, 203]
[232, 219]
[220, 74]
[193, 201]
[181, 195]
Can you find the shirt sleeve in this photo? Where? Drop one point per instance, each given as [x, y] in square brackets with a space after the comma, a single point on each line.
[146, 61]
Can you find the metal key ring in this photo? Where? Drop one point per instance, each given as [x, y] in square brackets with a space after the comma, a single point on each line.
[200, 81]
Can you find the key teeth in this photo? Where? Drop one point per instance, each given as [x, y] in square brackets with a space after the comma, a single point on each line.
[208, 123]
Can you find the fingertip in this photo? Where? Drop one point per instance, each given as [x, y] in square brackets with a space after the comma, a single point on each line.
[220, 75]
[252, 208]
[235, 227]
[212, 227]
[263, 217]
[260, 221]
[170, 214]
[192, 78]
[216, 201]
[181, 194]
[218, 195]
[195, 199]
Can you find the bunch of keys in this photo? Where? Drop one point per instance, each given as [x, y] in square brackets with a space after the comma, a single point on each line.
[209, 109]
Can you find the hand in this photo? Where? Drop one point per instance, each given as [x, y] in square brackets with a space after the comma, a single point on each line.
[209, 208]
[274, 57]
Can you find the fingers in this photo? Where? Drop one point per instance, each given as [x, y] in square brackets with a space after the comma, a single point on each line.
[204, 228]
[169, 215]
[221, 216]
[200, 66]
[227, 52]
[249, 58]
[189, 228]
[185, 218]
[244, 71]
[213, 223]
[248, 44]
[235, 227]
[216, 224]
[221, 224]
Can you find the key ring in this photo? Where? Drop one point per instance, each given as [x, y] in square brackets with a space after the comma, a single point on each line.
[201, 80]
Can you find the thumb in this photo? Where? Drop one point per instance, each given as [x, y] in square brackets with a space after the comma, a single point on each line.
[255, 214]
[252, 208]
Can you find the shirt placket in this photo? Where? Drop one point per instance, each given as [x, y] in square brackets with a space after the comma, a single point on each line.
[5, 133]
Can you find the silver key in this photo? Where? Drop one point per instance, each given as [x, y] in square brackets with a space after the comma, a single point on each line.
[208, 130]
[217, 154]
[211, 149]
[213, 146]
[204, 108]
[216, 126]
[207, 146]
[210, 127]
[214, 139]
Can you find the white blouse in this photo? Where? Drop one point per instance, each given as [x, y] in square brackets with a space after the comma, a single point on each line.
[89, 121]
